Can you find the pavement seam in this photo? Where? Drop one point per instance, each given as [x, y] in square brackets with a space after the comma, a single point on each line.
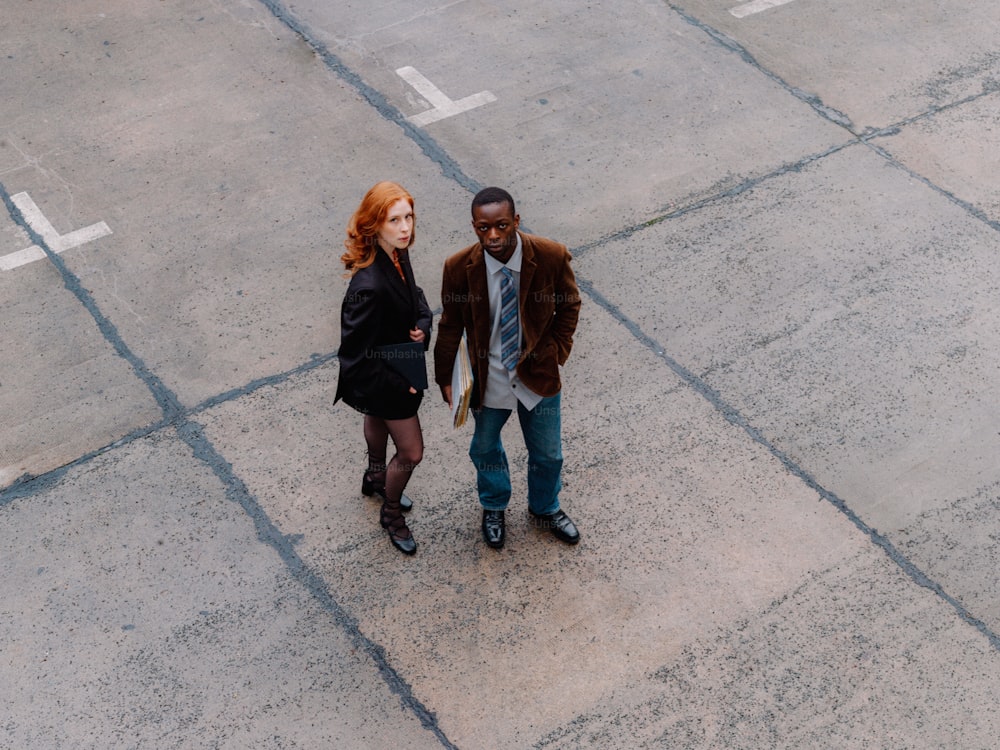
[315, 360]
[734, 417]
[738, 189]
[163, 396]
[826, 112]
[193, 435]
[28, 484]
[963, 204]
[449, 167]
[928, 113]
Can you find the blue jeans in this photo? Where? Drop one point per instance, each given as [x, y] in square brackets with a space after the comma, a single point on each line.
[542, 429]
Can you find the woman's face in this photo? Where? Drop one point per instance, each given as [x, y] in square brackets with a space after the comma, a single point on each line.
[397, 229]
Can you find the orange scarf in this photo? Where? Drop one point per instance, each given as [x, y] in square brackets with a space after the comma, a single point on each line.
[395, 261]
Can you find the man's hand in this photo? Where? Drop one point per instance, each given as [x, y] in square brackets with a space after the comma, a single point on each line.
[416, 335]
[446, 393]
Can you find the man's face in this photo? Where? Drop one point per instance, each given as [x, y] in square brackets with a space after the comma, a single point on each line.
[496, 225]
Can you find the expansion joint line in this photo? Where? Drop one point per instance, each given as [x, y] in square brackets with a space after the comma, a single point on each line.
[734, 417]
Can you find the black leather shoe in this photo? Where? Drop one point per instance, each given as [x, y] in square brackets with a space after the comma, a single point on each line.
[370, 489]
[494, 528]
[559, 524]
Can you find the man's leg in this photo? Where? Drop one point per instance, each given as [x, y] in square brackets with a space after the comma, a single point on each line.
[489, 458]
[542, 430]
[492, 472]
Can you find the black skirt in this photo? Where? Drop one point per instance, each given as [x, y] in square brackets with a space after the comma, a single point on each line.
[389, 406]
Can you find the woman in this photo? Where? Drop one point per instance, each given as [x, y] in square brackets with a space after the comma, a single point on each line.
[381, 308]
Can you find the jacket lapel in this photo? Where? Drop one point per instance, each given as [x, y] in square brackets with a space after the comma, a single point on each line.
[528, 267]
[475, 273]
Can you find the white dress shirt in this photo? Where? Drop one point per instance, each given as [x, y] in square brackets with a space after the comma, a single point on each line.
[503, 387]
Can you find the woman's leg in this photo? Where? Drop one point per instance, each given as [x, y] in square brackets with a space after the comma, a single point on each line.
[377, 439]
[409, 441]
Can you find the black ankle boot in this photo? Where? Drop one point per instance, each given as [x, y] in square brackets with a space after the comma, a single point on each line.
[370, 489]
[399, 534]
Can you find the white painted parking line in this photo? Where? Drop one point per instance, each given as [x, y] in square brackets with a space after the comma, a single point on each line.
[748, 9]
[56, 242]
[21, 258]
[443, 106]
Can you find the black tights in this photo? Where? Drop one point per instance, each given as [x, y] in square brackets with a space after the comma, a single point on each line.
[409, 441]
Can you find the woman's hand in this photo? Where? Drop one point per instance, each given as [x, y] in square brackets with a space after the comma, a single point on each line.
[416, 335]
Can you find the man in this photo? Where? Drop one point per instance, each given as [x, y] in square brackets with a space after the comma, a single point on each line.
[515, 298]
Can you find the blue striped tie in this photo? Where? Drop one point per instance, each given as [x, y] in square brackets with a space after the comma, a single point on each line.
[508, 320]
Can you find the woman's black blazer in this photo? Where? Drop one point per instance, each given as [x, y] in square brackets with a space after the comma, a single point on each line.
[377, 310]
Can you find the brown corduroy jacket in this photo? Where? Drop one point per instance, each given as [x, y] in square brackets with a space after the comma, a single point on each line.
[549, 307]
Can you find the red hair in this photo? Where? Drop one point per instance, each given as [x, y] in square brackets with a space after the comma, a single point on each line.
[362, 229]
